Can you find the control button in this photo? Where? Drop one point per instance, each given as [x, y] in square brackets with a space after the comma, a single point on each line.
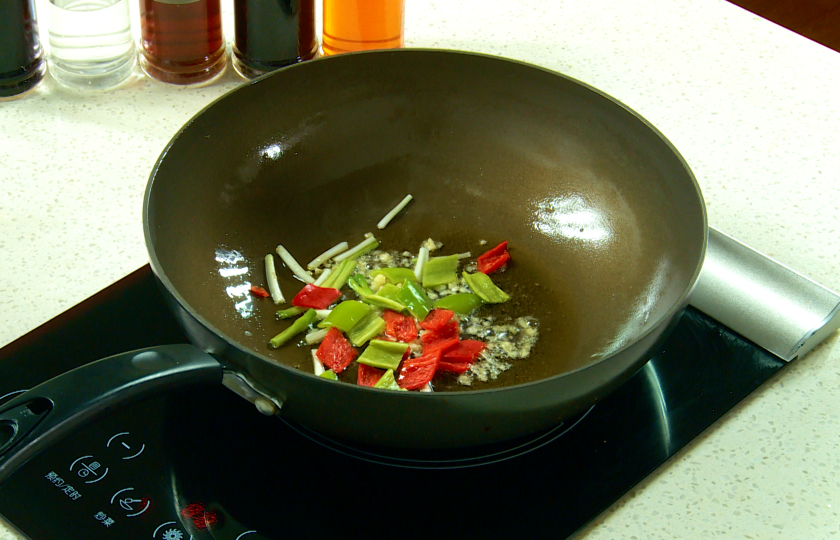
[171, 530]
[124, 443]
[85, 467]
[126, 500]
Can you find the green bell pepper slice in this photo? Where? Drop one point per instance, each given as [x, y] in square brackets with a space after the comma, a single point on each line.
[440, 271]
[395, 275]
[413, 297]
[368, 328]
[387, 381]
[461, 303]
[383, 354]
[300, 324]
[483, 286]
[329, 374]
[345, 315]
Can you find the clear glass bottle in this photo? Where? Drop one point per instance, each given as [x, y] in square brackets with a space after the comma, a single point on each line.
[358, 25]
[91, 45]
[22, 63]
[270, 34]
[182, 40]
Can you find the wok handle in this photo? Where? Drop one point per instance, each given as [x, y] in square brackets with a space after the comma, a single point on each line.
[37, 418]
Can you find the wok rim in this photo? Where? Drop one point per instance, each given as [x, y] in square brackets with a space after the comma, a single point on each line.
[676, 308]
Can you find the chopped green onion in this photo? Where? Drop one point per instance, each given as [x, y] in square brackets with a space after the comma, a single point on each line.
[356, 250]
[483, 286]
[327, 255]
[323, 277]
[340, 273]
[368, 328]
[422, 259]
[462, 303]
[396, 210]
[329, 374]
[440, 271]
[316, 336]
[317, 366]
[387, 381]
[383, 354]
[271, 277]
[293, 265]
[345, 315]
[296, 328]
[290, 313]
[413, 297]
[395, 275]
[321, 314]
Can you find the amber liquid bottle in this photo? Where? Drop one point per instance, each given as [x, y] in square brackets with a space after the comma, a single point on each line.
[270, 34]
[182, 40]
[22, 63]
[358, 25]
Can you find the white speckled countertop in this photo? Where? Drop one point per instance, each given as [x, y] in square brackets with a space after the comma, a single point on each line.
[754, 108]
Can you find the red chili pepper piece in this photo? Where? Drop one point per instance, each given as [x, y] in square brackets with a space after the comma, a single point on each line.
[368, 375]
[436, 318]
[400, 327]
[493, 259]
[312, 296]
[418, 372]
[446, 332]
[259, 291]
[453, 367]
[466, 350]
[335, 352]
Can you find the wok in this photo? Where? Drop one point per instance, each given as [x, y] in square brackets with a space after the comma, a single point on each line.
[604, 219]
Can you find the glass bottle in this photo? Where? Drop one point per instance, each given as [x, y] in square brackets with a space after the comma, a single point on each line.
[21, 56]
[270, 34]
[358, 25]
[182, 40]
[91, 45]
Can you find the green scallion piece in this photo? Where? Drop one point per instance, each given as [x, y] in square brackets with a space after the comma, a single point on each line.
[383, 354]
[395, 275]
[368, 328]
[345, 315]
[387, 297]
[300, 324]
[387, 381]
[290, 313]
[440, 271]
[483, 286]
[461, 303]
[413, 297]
[338, 277]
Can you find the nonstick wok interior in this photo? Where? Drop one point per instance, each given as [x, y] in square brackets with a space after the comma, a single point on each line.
[604, 220]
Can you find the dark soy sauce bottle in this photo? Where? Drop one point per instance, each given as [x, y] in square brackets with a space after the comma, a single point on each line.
[270, 34]
[22, 63]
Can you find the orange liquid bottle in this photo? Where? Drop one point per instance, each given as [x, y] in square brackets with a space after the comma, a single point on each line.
[359, 25]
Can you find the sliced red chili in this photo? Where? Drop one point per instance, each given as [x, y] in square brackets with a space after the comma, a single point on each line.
[259, 291]
[466, 350]
[453, 367]
[418, 372]
[493, 259]
[436, 318]
[335, 352]
[312, 296]
[368, 375]
[399, 327]
[446, 332]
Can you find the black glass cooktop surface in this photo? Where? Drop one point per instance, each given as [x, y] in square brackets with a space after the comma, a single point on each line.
[202, 463]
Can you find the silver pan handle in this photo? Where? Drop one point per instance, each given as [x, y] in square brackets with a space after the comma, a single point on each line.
[766, 302]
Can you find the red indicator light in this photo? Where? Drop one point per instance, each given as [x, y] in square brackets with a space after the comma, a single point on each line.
[200, 516]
